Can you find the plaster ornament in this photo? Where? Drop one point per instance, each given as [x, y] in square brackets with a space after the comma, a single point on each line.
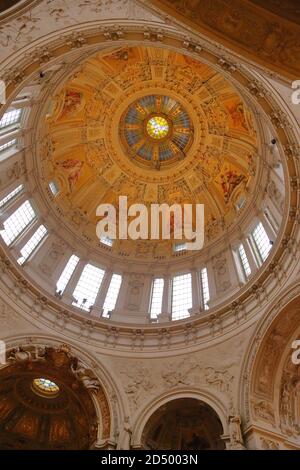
[268, 444]
[264, 410]
[26, 353]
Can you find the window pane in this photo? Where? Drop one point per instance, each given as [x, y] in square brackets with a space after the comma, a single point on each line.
[67, 274]
[244, 261]
[157, 297]
[261, 241]
[11, 117]
[9, 144]
[53, 188]
[34, 241]
[179, 247]
[11, 195]
[205, 288]
[112, 294]
[181, 296]
[88, 286]
[106, 240]
[17, 222]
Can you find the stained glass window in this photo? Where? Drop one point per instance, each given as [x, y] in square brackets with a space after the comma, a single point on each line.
[157, 127]
[45, 386]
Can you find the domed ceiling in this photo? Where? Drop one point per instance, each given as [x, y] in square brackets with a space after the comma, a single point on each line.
[43, 405]
[155, 126]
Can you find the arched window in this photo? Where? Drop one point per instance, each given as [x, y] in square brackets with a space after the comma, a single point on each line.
[181, 296]
[88, 287]
[32, 244]
[106, 240]
[17, 222]
[53, 188]
[11, 196]
[67, 274]
[156, 297]
[244, 261]
[179, 247]
[261, 243]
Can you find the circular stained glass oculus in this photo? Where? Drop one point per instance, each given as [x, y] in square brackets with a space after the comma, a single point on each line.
[156, 131]
[157, 127]
[45, 387]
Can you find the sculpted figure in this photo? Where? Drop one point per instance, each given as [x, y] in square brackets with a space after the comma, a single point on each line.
[235, 430]
[85, 376]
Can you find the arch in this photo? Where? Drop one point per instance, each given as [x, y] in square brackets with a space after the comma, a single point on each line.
[144, 415]
[110, 402]
[268, 367]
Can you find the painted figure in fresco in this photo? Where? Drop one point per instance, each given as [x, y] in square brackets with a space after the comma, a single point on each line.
[237, 115]
[229, 181]
[73, 169]
[72, 102]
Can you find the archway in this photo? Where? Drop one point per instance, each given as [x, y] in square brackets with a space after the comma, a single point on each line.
[273, 390]
[183, 424]
[49, 399]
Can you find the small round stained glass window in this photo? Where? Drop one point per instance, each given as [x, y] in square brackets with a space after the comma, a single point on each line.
[45, 387]
[157, 127]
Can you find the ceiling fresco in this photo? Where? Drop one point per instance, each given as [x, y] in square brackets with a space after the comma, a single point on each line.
[156, 126]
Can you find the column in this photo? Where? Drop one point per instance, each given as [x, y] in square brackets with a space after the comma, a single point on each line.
[195, 292]
[234, 275]
[267, 226]
[121, 302]
[68, 292]
[61, 264]
[211, 282]
[22, 240]
[97, 309]
[273, 210]
[147, 294]
[166, 300]
[250, 255]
